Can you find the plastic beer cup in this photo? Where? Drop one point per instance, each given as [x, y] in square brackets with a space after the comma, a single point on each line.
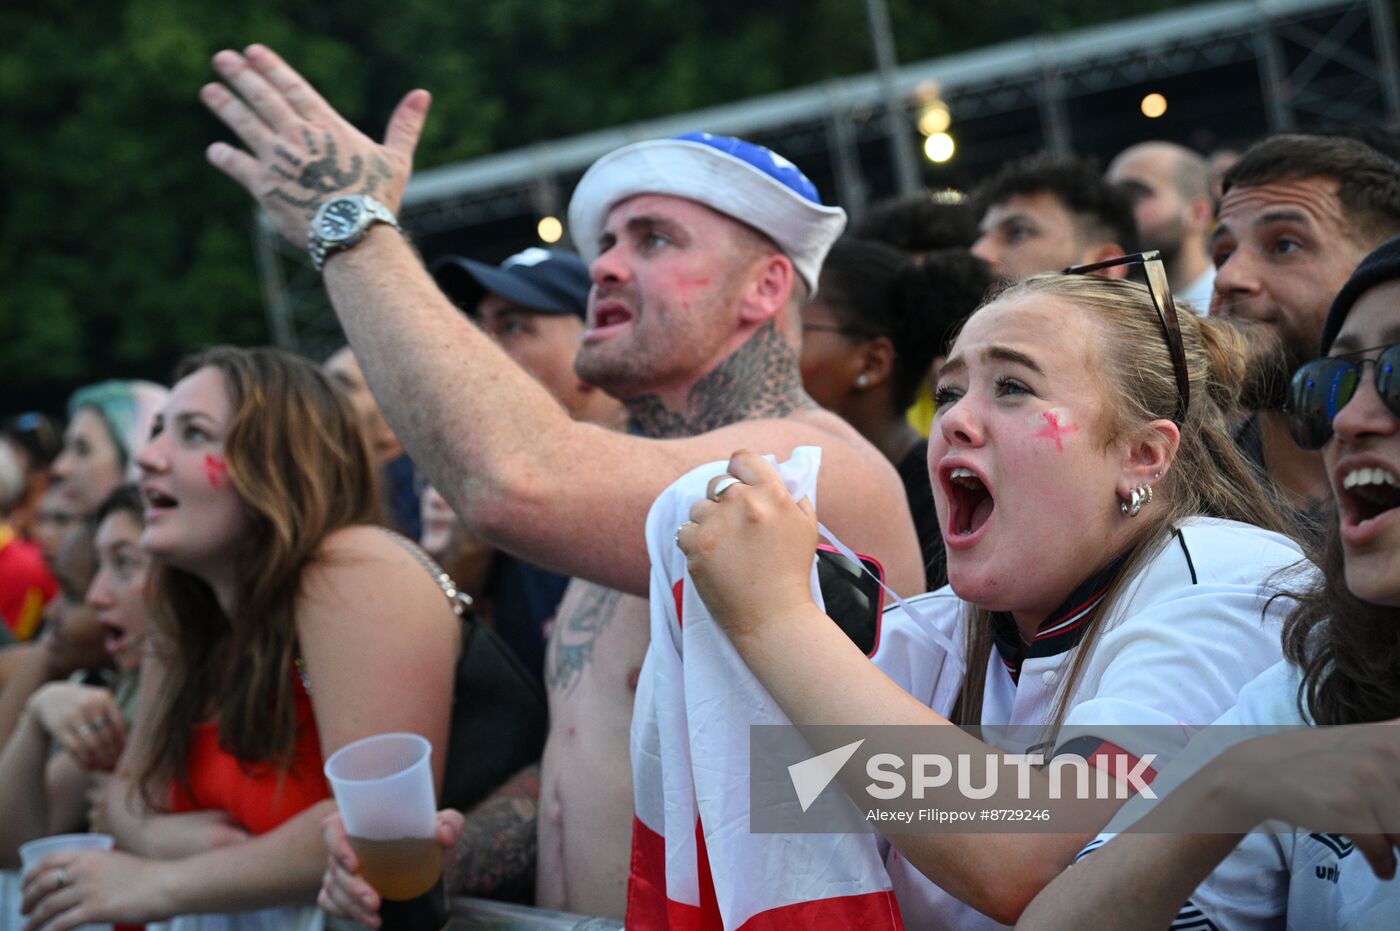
[34, 851]
[384, 788]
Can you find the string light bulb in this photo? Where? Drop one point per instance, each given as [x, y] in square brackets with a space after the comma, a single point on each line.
[939, 147]
[550, 229]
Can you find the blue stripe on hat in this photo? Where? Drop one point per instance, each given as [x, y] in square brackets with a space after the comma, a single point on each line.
[765, 160]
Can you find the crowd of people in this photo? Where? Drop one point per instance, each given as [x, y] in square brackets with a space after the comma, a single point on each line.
[1116, 487]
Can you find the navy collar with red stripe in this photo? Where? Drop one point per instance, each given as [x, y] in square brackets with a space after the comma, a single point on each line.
[1062, 630]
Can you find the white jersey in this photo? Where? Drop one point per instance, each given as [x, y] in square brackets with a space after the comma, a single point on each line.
[1190, 630]
[1296, 880]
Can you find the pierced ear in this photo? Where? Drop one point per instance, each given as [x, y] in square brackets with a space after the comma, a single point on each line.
[877, 361]
[1149, 456]
[770, 289]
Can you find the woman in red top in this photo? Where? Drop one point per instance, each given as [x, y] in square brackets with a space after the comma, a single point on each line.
[286, 627]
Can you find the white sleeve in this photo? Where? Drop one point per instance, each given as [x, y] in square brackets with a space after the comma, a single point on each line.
[1249, 889]
[913, 650]
[1180, 661]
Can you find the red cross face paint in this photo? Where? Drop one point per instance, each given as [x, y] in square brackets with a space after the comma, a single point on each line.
[1024, 489]
[216, 471]
[1054, 426]
[194, 516]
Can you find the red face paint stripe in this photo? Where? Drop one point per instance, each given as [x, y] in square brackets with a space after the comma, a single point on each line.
[216, 471]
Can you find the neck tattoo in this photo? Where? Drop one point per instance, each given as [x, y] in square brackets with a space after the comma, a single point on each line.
[760, 379]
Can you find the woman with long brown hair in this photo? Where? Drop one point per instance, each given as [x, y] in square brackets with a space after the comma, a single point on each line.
[1339, 786]
[1108, 551]
[276, 603]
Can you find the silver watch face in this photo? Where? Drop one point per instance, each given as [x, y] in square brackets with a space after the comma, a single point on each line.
[339, 219]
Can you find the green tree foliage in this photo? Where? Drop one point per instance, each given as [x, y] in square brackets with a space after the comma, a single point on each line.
[120, 249]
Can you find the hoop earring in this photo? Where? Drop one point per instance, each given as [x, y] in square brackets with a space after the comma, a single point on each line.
[1140, 496]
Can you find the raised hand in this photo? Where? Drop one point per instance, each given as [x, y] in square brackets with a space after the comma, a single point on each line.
[301, 152]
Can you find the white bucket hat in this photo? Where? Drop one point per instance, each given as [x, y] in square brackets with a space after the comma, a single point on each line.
[739, 179]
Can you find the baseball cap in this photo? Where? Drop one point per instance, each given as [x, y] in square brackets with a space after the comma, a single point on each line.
[740, 179]
[550, 281]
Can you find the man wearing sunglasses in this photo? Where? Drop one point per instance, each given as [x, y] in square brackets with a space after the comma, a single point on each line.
[1298, 214]
[702, 251]
[1322, 387]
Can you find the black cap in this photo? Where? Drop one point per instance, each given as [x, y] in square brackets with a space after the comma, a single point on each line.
[550, 281]
[1377, 268]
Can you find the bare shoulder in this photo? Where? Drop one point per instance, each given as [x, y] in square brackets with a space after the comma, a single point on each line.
[361, 571]
[812, 426]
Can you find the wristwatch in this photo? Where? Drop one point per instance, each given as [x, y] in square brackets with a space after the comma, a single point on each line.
[341, 222]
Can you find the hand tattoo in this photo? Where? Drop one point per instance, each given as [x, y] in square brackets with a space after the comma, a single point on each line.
[321, 178]
[324, 178]
[378, 171]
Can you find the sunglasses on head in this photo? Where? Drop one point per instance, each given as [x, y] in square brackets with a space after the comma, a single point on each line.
[1322, 387]
[1163, 303]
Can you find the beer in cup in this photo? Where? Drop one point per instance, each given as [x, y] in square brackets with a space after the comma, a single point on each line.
[384, 788]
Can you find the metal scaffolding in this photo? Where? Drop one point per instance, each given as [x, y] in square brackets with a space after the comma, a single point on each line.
[1321, 64]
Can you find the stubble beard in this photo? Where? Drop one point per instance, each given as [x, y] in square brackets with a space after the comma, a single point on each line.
[631, 363]
[613, 367]
[1275, 354]
[1167, 241]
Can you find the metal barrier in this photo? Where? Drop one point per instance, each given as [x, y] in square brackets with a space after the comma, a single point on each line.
[484, 915]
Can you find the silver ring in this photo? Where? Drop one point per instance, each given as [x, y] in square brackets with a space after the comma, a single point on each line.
[725, 483]
[685, 524]
[60, 878]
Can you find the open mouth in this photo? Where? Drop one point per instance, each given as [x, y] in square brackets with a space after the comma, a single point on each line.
[114, 638]
[608, 314]
[970, 502]
[159, 499]
[1367, 494]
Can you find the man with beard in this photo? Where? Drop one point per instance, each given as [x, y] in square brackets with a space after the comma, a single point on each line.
[703, 250]
[1297, 216]
[1169, 186]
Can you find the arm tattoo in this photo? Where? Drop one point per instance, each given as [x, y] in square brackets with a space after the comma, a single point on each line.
[495, 856]
[759, 379]
[571, 641]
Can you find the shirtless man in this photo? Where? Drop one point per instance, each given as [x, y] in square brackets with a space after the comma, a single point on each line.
[701, 260]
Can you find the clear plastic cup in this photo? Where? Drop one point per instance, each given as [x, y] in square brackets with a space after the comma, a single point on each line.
[384, 788]
[34, 851]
